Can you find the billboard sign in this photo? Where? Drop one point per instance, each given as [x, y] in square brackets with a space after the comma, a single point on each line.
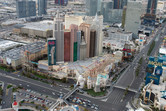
[150, 77]
[158, 71]
[155, 62]
[51, 51]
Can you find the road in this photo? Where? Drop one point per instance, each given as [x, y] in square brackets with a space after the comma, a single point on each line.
[7, 96]
[31, 84]
[128, 79]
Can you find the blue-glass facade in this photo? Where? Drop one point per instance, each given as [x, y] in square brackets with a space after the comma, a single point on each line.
[42, 7]
[91, 7]
[25, 8]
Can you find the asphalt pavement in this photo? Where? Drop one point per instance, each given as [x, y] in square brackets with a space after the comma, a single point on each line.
[7, 97]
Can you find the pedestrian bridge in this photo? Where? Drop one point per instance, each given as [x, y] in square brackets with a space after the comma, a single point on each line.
[124, 88]
[63, 99]
[67, 95]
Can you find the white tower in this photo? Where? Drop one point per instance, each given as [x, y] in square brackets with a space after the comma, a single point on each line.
[82, 49]
[97, 25]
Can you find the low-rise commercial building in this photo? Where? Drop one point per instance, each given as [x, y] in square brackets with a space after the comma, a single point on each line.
[17, 56]
[142, 40]
[42, 29]
[119, 35]
[7, 45]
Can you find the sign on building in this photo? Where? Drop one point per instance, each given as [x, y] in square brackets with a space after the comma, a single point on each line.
[154, 70]
[51, 51]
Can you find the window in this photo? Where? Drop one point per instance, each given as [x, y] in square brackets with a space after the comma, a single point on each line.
[56, 28]
[62, 26]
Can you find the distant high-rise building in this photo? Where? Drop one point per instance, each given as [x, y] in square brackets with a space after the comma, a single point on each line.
[152, 6]
[31, 8]
[150, 16]
[124, 16]
[91, 7]
[106, 6]
[58, 34]
[42, 7]
[99, 2]
[73, 44]
[125, 3]
[118, 4]
[61, 2]
[25, 8]
[133, 14]
[144, 7]
[20, 9]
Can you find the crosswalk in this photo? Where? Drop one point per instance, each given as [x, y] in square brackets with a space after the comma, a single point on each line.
[117, 95]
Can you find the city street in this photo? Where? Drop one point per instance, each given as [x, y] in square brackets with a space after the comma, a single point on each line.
[7, 97]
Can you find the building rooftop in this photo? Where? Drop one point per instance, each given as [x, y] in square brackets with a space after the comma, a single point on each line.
[162, 51]
[16, 52]
[117, 30]
[42, 25]
[6, 45]
[84, 65]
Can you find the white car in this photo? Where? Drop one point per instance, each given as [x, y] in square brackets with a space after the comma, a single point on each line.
[53, 93]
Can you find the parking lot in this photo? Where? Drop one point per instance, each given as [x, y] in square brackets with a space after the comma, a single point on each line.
[29, 96]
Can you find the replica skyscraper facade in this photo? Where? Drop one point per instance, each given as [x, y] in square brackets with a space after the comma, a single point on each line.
[84, 27]
[73, 45]
[97, 24]
[58, 34]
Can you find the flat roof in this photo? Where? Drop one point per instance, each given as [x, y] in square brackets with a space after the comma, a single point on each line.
[83, 65]
[42, 25]
[15, 53]
[162, 50]
[6, 44]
